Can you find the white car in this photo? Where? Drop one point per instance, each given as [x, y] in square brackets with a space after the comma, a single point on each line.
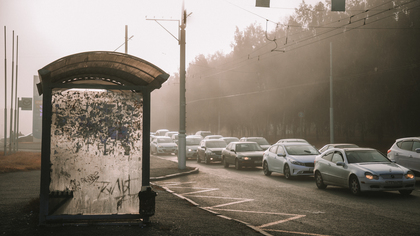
[290, 159]
[163, 145]
[191, 145]
[260, 140]
[362, 169]
[406, 152]
[292, 140]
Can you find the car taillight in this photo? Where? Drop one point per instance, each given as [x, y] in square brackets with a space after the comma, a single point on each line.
[389, 151]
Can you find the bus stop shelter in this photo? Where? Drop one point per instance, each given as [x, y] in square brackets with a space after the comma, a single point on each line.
[95, 154]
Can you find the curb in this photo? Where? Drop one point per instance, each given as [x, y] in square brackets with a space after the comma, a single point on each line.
[196, 170]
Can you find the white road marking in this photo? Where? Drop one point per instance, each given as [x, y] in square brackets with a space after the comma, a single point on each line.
[175, 185]
[293, 232]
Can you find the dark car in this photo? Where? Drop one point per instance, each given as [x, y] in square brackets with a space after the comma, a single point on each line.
[210, 150]
[242, 154]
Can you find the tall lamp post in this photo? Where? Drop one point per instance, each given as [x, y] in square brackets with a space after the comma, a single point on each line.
[182, 100]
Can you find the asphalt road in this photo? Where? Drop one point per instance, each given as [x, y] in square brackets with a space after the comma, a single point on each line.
[297, 207]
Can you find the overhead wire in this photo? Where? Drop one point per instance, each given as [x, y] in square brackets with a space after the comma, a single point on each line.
[323, 33]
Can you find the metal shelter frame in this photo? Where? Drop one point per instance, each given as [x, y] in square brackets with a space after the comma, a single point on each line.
[95, 70]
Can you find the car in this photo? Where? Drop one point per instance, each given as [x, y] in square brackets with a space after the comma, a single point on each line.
[360, 170]
[163, 145]
[210, 150]
[290, 159]
[230, 139]
[203, 134]
[292, 140]
[260, 140]
[337, 145]
[161, 132]
[406, 152]
[242, 154]
[170, 133]
[191, 144]
[213, 136]
[175, 138]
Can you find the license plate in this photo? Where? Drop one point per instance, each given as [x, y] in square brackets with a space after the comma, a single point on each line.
[393, 182]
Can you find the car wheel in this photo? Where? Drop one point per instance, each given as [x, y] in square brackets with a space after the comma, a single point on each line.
[225, 163]
[354, 185]
[405, 192]
[237, 165]
[198, 159]
[319, 181]
[286, 172]
[267, 172]
[207, 160]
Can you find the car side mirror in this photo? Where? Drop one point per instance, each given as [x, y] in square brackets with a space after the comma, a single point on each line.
[418, 150]
[203, 147]
[340, 163]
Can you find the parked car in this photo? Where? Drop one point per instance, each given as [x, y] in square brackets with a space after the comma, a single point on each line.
[242, 154]
[163, 145]
[290, 159]
[203, 133]
[337, 145]
[210, 150]
[260, 140]
[362, 169]
[406, 152]
[292, 140]
[191, 144]
[230, 139]
[213, 136]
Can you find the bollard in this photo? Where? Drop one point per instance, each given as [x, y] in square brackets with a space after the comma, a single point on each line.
[147, 203]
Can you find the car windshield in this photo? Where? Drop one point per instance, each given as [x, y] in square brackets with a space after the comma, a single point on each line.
[260, 141]
[365, 156]
[248, 147]
[193, 141]
[165, 140]
[301, 150]
[216, 144]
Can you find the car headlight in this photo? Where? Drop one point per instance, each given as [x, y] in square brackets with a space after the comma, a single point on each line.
[297, 163]
[409, 175]
[245, 158]
[369, 175]
[189, 149]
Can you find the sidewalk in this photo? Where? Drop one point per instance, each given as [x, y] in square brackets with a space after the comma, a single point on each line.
[174, 215]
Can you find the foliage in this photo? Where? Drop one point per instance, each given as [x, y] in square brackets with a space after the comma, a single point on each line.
[269, 78]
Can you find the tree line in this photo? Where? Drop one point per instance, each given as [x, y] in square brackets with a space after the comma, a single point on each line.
[276, 80]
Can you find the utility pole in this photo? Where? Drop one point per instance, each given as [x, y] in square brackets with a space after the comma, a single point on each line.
[11, 98]
[16, 141]
[126, 39]
[5, 94]
[182, 100]
[331, 100]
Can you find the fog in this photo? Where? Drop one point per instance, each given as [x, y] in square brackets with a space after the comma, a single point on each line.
[276, 83]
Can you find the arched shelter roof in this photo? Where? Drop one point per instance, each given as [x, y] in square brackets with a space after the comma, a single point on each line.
[103, 68]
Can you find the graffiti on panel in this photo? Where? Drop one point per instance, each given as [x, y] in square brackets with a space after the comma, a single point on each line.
[96, 145]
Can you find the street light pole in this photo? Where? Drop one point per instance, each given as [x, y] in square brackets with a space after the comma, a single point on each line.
[331, 100]
[182, 100]
[5, 94]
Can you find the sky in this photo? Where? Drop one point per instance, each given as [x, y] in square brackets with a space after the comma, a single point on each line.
[47, 30]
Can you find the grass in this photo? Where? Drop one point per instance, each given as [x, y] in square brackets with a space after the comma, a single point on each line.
[20, 161]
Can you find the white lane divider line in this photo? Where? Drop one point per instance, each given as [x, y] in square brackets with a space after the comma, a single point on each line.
[281, 221]
[231, 203]
[294, 232]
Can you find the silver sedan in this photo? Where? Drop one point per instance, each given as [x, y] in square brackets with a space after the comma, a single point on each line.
[362, 169]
